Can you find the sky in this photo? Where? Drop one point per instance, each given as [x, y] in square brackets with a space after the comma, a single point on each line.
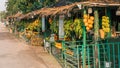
[2, 5]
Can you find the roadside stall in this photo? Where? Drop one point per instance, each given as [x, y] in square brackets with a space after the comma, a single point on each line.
[28, 27]
[81, 34]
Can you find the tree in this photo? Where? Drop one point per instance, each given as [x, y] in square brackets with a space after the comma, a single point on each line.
[29, 5]
[25, 6]
[11, 6]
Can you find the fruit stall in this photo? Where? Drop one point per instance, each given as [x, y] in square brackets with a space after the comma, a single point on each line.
[79, 35]
[27, 27]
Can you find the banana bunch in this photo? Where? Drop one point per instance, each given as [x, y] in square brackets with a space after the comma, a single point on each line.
[68, 27]
[88, 21]
[73, 26]
[78, 27]
[105, 24]
[34, 25]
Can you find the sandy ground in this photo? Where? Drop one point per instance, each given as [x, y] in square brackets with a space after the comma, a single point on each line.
[16, 54]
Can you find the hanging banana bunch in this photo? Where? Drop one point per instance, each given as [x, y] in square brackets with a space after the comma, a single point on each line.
[73, 26]
[78, 27]
[68, 27]
[105, 24]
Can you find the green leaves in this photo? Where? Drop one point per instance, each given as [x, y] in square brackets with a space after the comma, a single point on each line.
[13, 6]
[54, 27]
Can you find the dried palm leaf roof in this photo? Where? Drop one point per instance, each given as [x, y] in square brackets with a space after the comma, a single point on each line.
[16, 15]
[67, 8]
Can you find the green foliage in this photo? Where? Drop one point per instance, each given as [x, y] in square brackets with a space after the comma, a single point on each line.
[21, 25]
[13, 6]
[29, 5]
[2, 14]
[54, 27]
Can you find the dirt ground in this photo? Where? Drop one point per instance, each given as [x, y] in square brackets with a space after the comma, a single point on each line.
[17, 54]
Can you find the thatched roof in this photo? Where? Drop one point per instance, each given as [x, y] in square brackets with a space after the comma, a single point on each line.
[66, 9]
[16, 15]
[105, 1]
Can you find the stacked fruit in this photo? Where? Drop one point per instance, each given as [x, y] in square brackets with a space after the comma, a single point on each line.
[88, 22]
[36, 41]
[105, 24]
[34, 25]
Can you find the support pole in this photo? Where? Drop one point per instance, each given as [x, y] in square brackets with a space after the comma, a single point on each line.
[96, 37]
[43, 26]
[84, 45]
[109, 15]
[96, 26]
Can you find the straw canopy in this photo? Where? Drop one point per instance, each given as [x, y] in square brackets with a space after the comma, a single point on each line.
[66, 9]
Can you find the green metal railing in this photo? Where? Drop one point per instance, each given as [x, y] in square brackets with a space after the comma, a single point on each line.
[72, 54]
[109, 55]
[102, 55]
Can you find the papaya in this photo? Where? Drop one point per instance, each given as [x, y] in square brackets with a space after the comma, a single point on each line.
[91, 18]
[102, 33]
[85, 16]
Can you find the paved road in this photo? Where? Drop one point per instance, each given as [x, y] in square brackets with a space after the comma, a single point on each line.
[16, 54]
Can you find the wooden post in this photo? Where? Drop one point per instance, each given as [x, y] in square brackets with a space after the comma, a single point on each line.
[96, 26]
[96, 37]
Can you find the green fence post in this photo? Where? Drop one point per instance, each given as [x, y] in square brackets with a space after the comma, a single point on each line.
[104, 56]
[88, 55]
[119, 54]
[63, 53]
[94, 56]
[109, 15]
[78, 57]
[99, 56]
[62, 49]
[108, 48]
[84, 48]
[114, 55]
[84, 45]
